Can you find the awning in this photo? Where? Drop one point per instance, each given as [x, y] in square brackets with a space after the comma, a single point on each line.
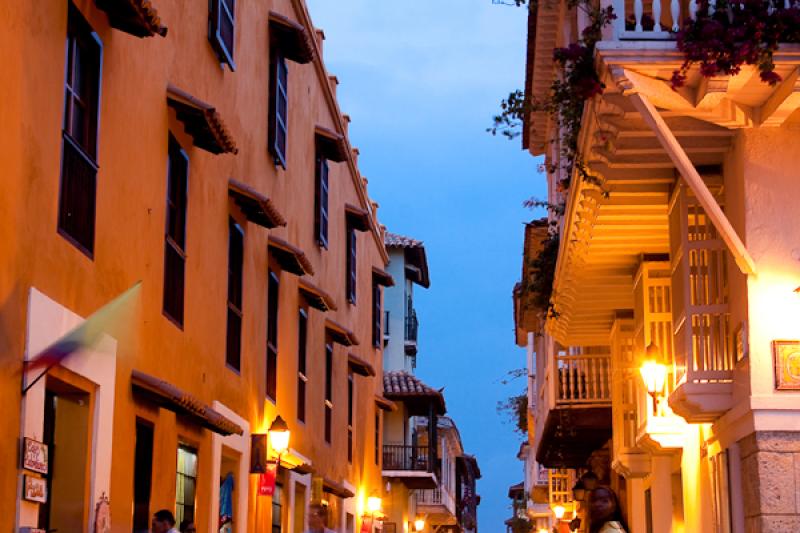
[358, 218]
[136, 17]
[202, 122]
[418, 397]
[292, 38]
[360, 366]
[330, 144]
[382, 277]
[171, 397]
[385, 403]
[340, 334]
[315, 296]
[291, 258]
[337, 489]
[255, 206]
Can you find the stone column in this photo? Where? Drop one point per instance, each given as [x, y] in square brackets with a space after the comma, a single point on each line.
[661, 493]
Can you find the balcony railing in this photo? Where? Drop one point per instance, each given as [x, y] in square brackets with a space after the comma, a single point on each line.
[403, 457]
[436, 497]
[583, 379]
[412, 326]
[650, 19]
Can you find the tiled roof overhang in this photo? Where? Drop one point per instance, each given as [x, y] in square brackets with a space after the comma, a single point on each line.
[382, 277]
[415, 257]
[358, 218]
[330, 144]
[290, 257]
[360, 366]
[340, 334]
[202, 122]
[136, 17]
[407, 388]
[292, 38]
[337, 489]
[315, 296]
[255, 206]
[171, 397]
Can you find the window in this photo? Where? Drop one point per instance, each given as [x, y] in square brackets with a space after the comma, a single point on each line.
[222, 29]
[377, 437]
[142, 476]
[376, 314]
[350, 384]
[77, 199]
[328, 390]
[302, 379]
[277, 508]
[185, 484]
[235, 265]
[272, 336]
[321, 200]
[350, 282]
[279, 108]
[175, 235]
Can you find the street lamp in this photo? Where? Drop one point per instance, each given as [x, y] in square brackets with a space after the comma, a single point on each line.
[278, 436]
[419, 524]
[373, 505]
[559, 511]
[654, 374]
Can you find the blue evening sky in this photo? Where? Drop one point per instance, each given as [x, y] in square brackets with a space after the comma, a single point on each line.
[421, 80]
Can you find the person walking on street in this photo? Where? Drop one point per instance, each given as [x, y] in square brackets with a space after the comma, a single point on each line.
[317, 518]
[163, 522]
[605, 515]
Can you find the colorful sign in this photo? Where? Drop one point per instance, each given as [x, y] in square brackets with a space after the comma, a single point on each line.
[787, 364]
[35, 489]
[366, 524]
[34, 456]
[266, 481]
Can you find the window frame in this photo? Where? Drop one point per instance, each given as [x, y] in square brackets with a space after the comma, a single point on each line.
[278, 123]
[328, 432]
[273, 315]
[217, 10]
[321, 200]
[351, 275]
[178, 474]
[350, 418]
[302, 362]
[377, 314]
[235, 311]
[82, 38]
[176, 244]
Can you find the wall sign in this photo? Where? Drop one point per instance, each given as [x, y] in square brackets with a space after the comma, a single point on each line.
[35, 489]
[34, 456]
[266, 481]
[787, 364]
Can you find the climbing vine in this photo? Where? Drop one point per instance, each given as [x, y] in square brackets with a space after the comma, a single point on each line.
[726, 35]
[578, 83]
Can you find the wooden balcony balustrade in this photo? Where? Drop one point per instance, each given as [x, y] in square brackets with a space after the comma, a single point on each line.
[405, 457]
[582, 379]
[437, 497]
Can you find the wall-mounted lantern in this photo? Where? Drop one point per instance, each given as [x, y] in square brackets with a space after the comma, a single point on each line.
[654, 374]
[419, 525]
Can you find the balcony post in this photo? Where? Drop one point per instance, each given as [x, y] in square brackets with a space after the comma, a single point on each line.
[432, 439]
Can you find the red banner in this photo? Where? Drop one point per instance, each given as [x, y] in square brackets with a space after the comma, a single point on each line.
[266, 481]
[366, 525]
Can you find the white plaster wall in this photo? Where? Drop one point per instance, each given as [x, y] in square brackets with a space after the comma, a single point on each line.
[770, 165]
[394, 356]
[47, 322]
[237, 443]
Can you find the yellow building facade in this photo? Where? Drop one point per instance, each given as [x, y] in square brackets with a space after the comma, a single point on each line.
[194, 154]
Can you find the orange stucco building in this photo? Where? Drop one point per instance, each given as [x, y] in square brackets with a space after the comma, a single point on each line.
[197, 149]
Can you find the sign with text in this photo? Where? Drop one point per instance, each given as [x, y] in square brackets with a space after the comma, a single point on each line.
[266, 481]
[34, 456]
[35, 489]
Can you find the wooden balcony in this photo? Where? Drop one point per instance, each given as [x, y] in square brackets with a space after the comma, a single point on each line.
[575, 405]
[439, 506]
[410, 464]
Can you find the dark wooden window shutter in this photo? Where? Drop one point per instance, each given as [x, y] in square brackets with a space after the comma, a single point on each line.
[328, 391]
[279, 109]
[175, 235]
[376, 314]
[222, 30]
[321, 197]
[302, 376]
[235, 274]
[351, 264]
[77, 198]
[273, 286]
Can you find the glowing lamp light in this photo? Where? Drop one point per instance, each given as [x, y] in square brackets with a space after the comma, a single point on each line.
[543, 530]
[373, 505]
[419, 524]
[278, 436]
[654, 374]
[559, 511]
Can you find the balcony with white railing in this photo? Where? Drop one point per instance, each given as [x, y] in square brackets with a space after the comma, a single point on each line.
[573, 416]
[438, 501]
